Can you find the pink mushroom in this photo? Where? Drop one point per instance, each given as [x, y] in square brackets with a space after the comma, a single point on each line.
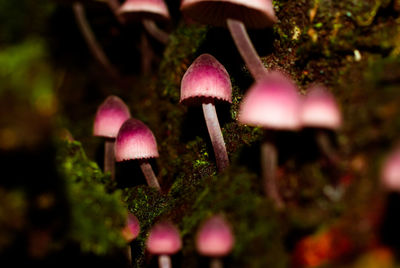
[390, 174]
[130, 232]
[273, 103]
[110, 116]
[215, 239]
[164, 240]
[321, 111]
[205, 81]
[235, 14]
[136, 141]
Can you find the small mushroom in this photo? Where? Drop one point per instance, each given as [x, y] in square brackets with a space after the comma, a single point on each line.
[164, 240]
[136, 141]
[130, 232]
[235, 14]
[204, 82]
[390, 174]
[321, 112]
[110, 116]
[215, 239]
[271, 103]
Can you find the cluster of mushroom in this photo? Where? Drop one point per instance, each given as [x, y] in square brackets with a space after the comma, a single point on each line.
[214, 239]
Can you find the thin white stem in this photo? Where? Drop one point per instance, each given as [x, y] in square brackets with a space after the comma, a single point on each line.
[109, 157]
[216, 263]
[90, 39]
[152, 28]
[149, 174]
[269, 158]
[164, 261]
[246, 48]
[217, 140]
[129, 255]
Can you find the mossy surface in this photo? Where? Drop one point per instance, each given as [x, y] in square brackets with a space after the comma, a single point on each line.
[334, 211]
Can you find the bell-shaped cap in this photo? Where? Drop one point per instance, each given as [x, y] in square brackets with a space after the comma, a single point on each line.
[132, 228]
[272, 102]
[390, 173]
[215, 238]
[135, 141]
[206, 79]
[253, 13]
[320, 109]
[164, 239]
[145, 9]
[110, 116]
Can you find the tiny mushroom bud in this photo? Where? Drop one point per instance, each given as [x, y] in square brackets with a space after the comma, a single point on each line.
[215, 239]
[235, 14]
[273, 103]
[136, 141]
[390, 174]
[320, 111]
[164, 240]
[110, 116]
[205, 81]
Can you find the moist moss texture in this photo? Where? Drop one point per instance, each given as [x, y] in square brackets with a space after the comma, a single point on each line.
[57, 207]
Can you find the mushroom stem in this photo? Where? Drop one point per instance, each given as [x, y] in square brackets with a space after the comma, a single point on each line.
[269, 158]
[114, 6]
[326, 147]
[90, 39]
[217, 140]
[149, 174]
[109, 157]
[152, 28]
[216, 263]
[129, 255]
[146, 53]
[164, 261]
[246, 48]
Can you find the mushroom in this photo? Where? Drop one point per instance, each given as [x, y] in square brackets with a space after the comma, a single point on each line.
[110, 116]
[130, 232]
[320, 111]
[235, 14]
[205, 81]
[148, 11]
[273, 103]
[94, 46]
[390, 174]
[215, 239]
[164, 240]
[136, 141]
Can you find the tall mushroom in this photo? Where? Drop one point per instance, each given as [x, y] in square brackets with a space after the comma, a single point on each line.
[271, 103]
[164, 240]
[215, 239]
[110, 116]
[136, 141]
[237, 15]
[321, 112]
[204, 82]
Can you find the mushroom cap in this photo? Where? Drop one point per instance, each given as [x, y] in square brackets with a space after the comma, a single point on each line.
[145, 9]
[319, 109]
[215, 237]
[253, 13]
[135, 141]
[390, 174]
[132, 228]
[272, 102]
[110, 116]
[206, 78]
[163, 239]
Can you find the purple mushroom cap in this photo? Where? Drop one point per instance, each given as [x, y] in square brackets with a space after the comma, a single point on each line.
[163, 239]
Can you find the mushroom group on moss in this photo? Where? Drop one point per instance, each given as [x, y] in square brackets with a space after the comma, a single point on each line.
[135, 141]
[205, 82]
